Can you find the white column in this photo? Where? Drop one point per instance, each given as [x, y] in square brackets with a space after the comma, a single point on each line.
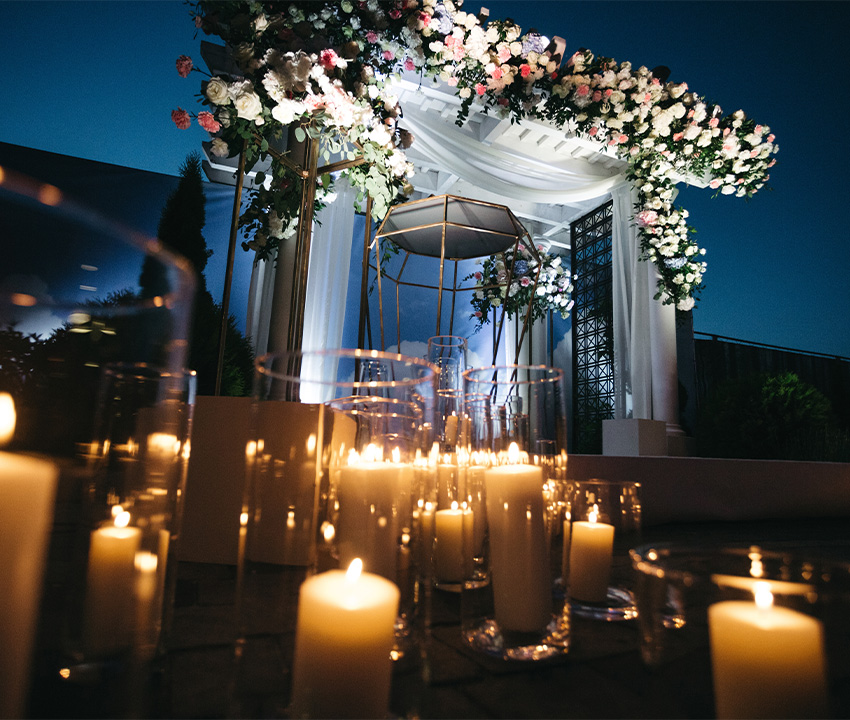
[665, 369]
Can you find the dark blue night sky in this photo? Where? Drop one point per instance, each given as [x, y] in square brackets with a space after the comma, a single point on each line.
[97, 80]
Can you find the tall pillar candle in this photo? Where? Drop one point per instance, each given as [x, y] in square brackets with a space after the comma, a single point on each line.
[767, 661]
[519, 554]
[27, 491]
[110, 611]
[591, 549]
[373, 498]
[343, 638]
[453, 531]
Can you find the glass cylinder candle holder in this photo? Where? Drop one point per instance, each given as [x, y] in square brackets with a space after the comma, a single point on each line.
[602, 521]
[770, 626]
[448, 354]
[97, 315]
[508, 606]
[333, 477]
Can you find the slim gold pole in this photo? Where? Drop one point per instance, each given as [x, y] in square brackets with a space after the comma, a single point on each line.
[302, 248]
[228, 277]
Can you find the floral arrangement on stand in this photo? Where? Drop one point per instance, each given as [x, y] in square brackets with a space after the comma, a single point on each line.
[536, 280]
[326, 68]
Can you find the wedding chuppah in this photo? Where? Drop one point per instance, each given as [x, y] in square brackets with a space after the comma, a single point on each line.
[408, 99]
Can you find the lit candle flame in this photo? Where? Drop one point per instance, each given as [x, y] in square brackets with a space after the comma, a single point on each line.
[352, 575]
[763, 596]
[593, 515]
[122, 519]
[513, 453]
[8, 418]
[396, 455]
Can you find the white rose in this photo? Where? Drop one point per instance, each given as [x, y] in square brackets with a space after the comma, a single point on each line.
[219, 148]
[217, 91]
[287, 110]
[248, 106]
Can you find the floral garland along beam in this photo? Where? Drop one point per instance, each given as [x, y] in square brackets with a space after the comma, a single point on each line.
[324, 68]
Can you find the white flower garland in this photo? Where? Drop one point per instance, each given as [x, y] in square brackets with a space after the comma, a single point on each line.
[323, 66]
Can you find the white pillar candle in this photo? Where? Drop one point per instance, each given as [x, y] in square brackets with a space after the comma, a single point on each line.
[767, 661]
[519, 555]
[343, 638]
[453, 530]
[110, 599]
[146, 597]
[374, 505]
[448, 480]
[591, 549]
[27, 490]
[451, 429]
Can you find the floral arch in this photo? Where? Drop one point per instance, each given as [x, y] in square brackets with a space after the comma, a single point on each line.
[327, 69]
[352, 76]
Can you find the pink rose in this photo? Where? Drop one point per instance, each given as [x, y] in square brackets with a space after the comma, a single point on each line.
[395, 13]
[678, 136]
[372, 36]
[208, 122]
[714, 184]
[771, 137]
[184, 66]
[646, 218]
[504, 54]
[608, 92]
[525, 281]
[478, 275]
[478, 313]
[328, 59]
[480, 89]
[597, 95]
[583, 90]
[181, 119]
[592, 132]
[408, 64]
[388, 55]
[452, 82]
[497, 73]
[714, 122]
[525, 70]
[647, 97]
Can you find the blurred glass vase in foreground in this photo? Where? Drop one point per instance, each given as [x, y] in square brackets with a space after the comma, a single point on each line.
[93, 341]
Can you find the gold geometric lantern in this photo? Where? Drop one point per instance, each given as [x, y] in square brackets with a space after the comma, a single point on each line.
[449, 228]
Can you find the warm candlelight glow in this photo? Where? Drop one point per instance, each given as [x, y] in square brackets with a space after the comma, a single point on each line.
[7, 418]
[396, 455]
[513, 453]
[352, 575]
[763, 596]
[593, 515]
[122, 519]
[145, 561]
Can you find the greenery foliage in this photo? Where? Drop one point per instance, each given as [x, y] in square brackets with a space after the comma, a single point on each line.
[770, 416]
[181, 227]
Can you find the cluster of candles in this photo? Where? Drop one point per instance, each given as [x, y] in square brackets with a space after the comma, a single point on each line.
[766, 659]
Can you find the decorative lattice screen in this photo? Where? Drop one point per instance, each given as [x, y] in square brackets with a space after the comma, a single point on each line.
[593, 331]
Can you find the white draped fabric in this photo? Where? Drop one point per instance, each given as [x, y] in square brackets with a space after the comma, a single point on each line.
[327, 284]
[504, 172]
[632, 359]
[644, 330]
[645, 369]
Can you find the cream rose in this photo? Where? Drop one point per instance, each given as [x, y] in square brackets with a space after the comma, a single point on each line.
[248, 105]
[217, 91]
